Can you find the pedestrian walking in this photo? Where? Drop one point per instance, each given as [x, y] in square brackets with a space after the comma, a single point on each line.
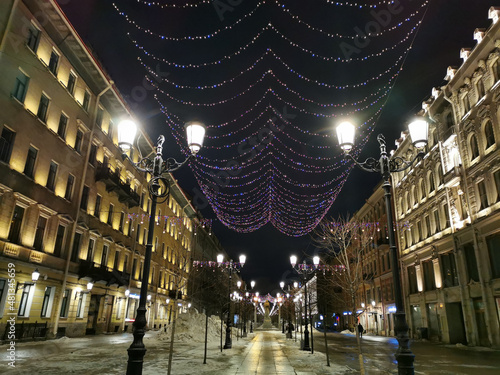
[360, 330]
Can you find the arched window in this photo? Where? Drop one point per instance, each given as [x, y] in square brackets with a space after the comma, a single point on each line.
[440, 175]
[474, 148]
[422, 189]
[488, 134]
[415, 195]
[466, 104]
[480, 88]
[432, 185]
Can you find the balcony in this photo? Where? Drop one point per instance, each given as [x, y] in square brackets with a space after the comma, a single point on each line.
[97, 273]
[452, 177]
[114, 183]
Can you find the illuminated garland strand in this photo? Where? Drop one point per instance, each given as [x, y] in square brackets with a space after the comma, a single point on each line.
[184, 38]
[260, 80]
[282, 7]
[280, 60]
[295, 45]
[352, 37]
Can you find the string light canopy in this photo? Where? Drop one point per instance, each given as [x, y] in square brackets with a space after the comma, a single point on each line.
[277, 82]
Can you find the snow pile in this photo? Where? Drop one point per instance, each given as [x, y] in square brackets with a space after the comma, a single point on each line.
[346, 332]
[190, 326]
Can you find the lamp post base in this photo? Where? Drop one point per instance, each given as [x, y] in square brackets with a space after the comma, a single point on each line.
[228, 344]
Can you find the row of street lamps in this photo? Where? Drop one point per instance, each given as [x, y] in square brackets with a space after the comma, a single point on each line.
[159, 188]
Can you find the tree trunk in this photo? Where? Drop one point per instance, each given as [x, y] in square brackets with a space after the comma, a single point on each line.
[326, 344]
[206, 338]
[171, 352]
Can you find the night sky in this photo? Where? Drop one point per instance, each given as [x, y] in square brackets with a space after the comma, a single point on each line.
[447, 27]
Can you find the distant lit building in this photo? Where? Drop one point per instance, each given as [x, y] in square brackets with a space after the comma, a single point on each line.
[450, 247]
[376, 294]
[70, 206]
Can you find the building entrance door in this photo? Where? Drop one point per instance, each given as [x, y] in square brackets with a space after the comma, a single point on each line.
[455, 317]
[95, 301]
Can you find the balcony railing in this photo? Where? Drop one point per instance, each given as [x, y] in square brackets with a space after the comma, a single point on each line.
[114, 183]
[98, 273]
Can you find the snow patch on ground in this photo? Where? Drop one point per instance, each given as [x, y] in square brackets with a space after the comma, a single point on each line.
[191, 327]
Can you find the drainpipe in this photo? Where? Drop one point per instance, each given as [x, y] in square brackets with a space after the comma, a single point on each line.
[477, 254]
[8, 25]
[79, 201]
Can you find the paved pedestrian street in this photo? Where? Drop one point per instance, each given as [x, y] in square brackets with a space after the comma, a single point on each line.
[262, 352]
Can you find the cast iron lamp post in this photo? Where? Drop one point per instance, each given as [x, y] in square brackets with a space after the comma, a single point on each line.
[385, 165]
[230, 267]
[158, 188]
[304, 270]
[282, 286]
[252, 285]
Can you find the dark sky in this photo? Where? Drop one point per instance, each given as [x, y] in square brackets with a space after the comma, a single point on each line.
[447, 27]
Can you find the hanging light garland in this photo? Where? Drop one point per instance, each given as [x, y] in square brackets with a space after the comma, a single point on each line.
[282, 178]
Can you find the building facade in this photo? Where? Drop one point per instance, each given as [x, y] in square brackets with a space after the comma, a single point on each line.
[71, 207]
[376, 293]
[450, 249]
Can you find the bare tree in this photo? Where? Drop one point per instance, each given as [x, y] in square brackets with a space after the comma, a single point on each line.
[345, 242]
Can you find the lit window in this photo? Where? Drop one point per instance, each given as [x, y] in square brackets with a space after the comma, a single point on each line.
[21, 87]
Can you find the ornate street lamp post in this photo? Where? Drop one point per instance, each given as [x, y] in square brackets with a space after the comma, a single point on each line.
[229, 267]
[158, 188]
[304, 270]
[252, 321]
[385, 165]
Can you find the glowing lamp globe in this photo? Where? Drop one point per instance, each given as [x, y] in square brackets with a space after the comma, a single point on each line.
[243, 259]
[345, 135]
[293, 260]
[419, 132]
[126, 134]
[35, 275]
[195, 132]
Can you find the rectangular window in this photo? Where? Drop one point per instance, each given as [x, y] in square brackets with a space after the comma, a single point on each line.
[427, 226]
[39, 233]
[78, 141]
[21, 86]
[471, 262]
[110, 214]
[71, 83]
[483, 196]
[15, 224]
[429, 281]
[138, 233]
[48, 300]
[496, 177]
[33, 38]
[43, 108]
[63, 124]
[110, 130]
[3, 295]
[125, 263]
[85, 198]
[99, 116]
[116, 261]
[26, 298]
[134, 269]
[449, 270]
[86, 100]
[419, 230]
[97, 208]
[494, 250]
[104, 256]
[447, 215]
[437, 221]
[75, 251]
[54, 62]
[93, 155]
[6, 144]
[51, 179]
[122, 221]
[90, 250]
[69, 187]
[59, 240]
[29, 167]
[145, 237]
[80, 307]
[65, 304]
